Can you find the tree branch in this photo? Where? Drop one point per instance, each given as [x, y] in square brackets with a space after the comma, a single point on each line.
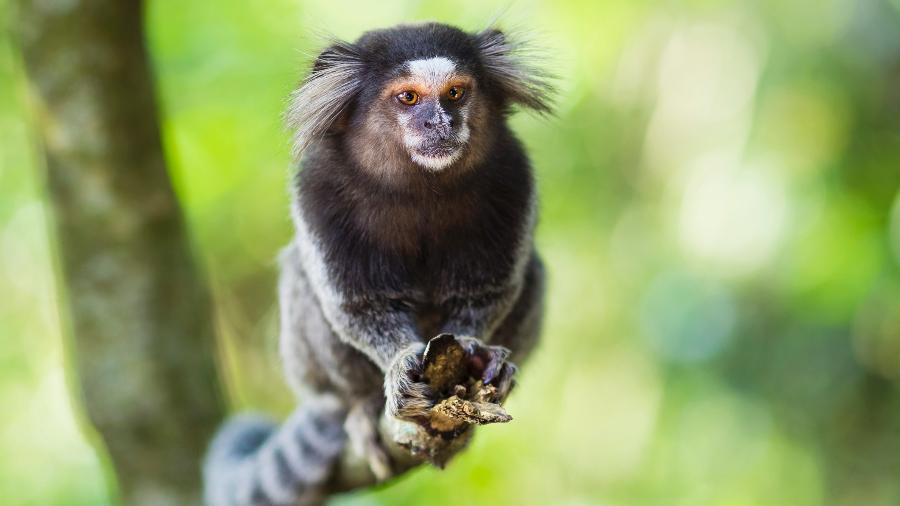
[140, 311]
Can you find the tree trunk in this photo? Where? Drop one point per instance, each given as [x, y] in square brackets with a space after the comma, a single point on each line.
[140, 312]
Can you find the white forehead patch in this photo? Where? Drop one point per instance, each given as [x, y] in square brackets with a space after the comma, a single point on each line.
[433, 71]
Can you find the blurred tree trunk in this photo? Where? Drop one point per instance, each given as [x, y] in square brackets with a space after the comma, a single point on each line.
[140, 311]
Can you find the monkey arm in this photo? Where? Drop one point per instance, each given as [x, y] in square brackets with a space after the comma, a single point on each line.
[484, 286]
[377, 326]
[376, 322]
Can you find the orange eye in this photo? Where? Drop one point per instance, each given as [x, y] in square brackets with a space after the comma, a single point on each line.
[408, 98]
[456, 93]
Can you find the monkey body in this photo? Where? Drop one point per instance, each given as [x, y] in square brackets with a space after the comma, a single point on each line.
[435, 256]
[414, 210]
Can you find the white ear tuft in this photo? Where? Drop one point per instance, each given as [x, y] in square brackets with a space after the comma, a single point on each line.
[513, 65]
[325, 93]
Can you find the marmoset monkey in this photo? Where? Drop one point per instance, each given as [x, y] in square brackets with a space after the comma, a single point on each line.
[414, 212]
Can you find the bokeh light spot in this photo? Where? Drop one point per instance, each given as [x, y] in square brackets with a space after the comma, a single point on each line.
[685, 318]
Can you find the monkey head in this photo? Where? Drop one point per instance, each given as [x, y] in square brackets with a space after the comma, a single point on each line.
[415, 97]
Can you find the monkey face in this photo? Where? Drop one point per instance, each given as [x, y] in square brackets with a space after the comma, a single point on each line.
[430, 103]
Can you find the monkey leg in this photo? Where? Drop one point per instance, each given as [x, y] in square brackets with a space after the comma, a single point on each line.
[362, 429]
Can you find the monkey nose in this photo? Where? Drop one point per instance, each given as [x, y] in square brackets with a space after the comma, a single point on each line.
[440, 127]
[431, 124]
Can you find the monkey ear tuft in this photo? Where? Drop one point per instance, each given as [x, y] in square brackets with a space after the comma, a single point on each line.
[514, 66]
[333, 82]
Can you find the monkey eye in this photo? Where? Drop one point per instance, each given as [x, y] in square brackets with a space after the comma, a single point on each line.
[408, 98]
[456, 92]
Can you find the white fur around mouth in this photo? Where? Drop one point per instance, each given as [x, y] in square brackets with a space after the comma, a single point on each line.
[435, 162]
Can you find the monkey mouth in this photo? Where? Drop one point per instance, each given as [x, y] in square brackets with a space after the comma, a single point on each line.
[439, 149]
[437, 156]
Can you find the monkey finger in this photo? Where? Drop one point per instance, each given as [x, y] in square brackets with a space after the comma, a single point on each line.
[506, 380]
[496, 358]
[413, 401]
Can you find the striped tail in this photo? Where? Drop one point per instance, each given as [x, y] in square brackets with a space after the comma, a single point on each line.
[252, 461]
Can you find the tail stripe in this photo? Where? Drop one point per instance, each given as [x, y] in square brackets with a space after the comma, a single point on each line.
[253, 462]
[275, 480]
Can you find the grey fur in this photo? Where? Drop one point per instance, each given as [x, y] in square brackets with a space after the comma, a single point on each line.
[324, 94]
[373, 328]
[398, 384]
[254, 461]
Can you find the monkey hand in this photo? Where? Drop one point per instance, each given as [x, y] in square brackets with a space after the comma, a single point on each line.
[420, 376]
[489, 363]
[436, 393]
[407, 395]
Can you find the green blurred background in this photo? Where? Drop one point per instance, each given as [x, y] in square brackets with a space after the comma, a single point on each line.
[720, 217]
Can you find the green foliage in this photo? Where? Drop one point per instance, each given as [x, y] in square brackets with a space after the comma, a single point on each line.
[720, 217]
